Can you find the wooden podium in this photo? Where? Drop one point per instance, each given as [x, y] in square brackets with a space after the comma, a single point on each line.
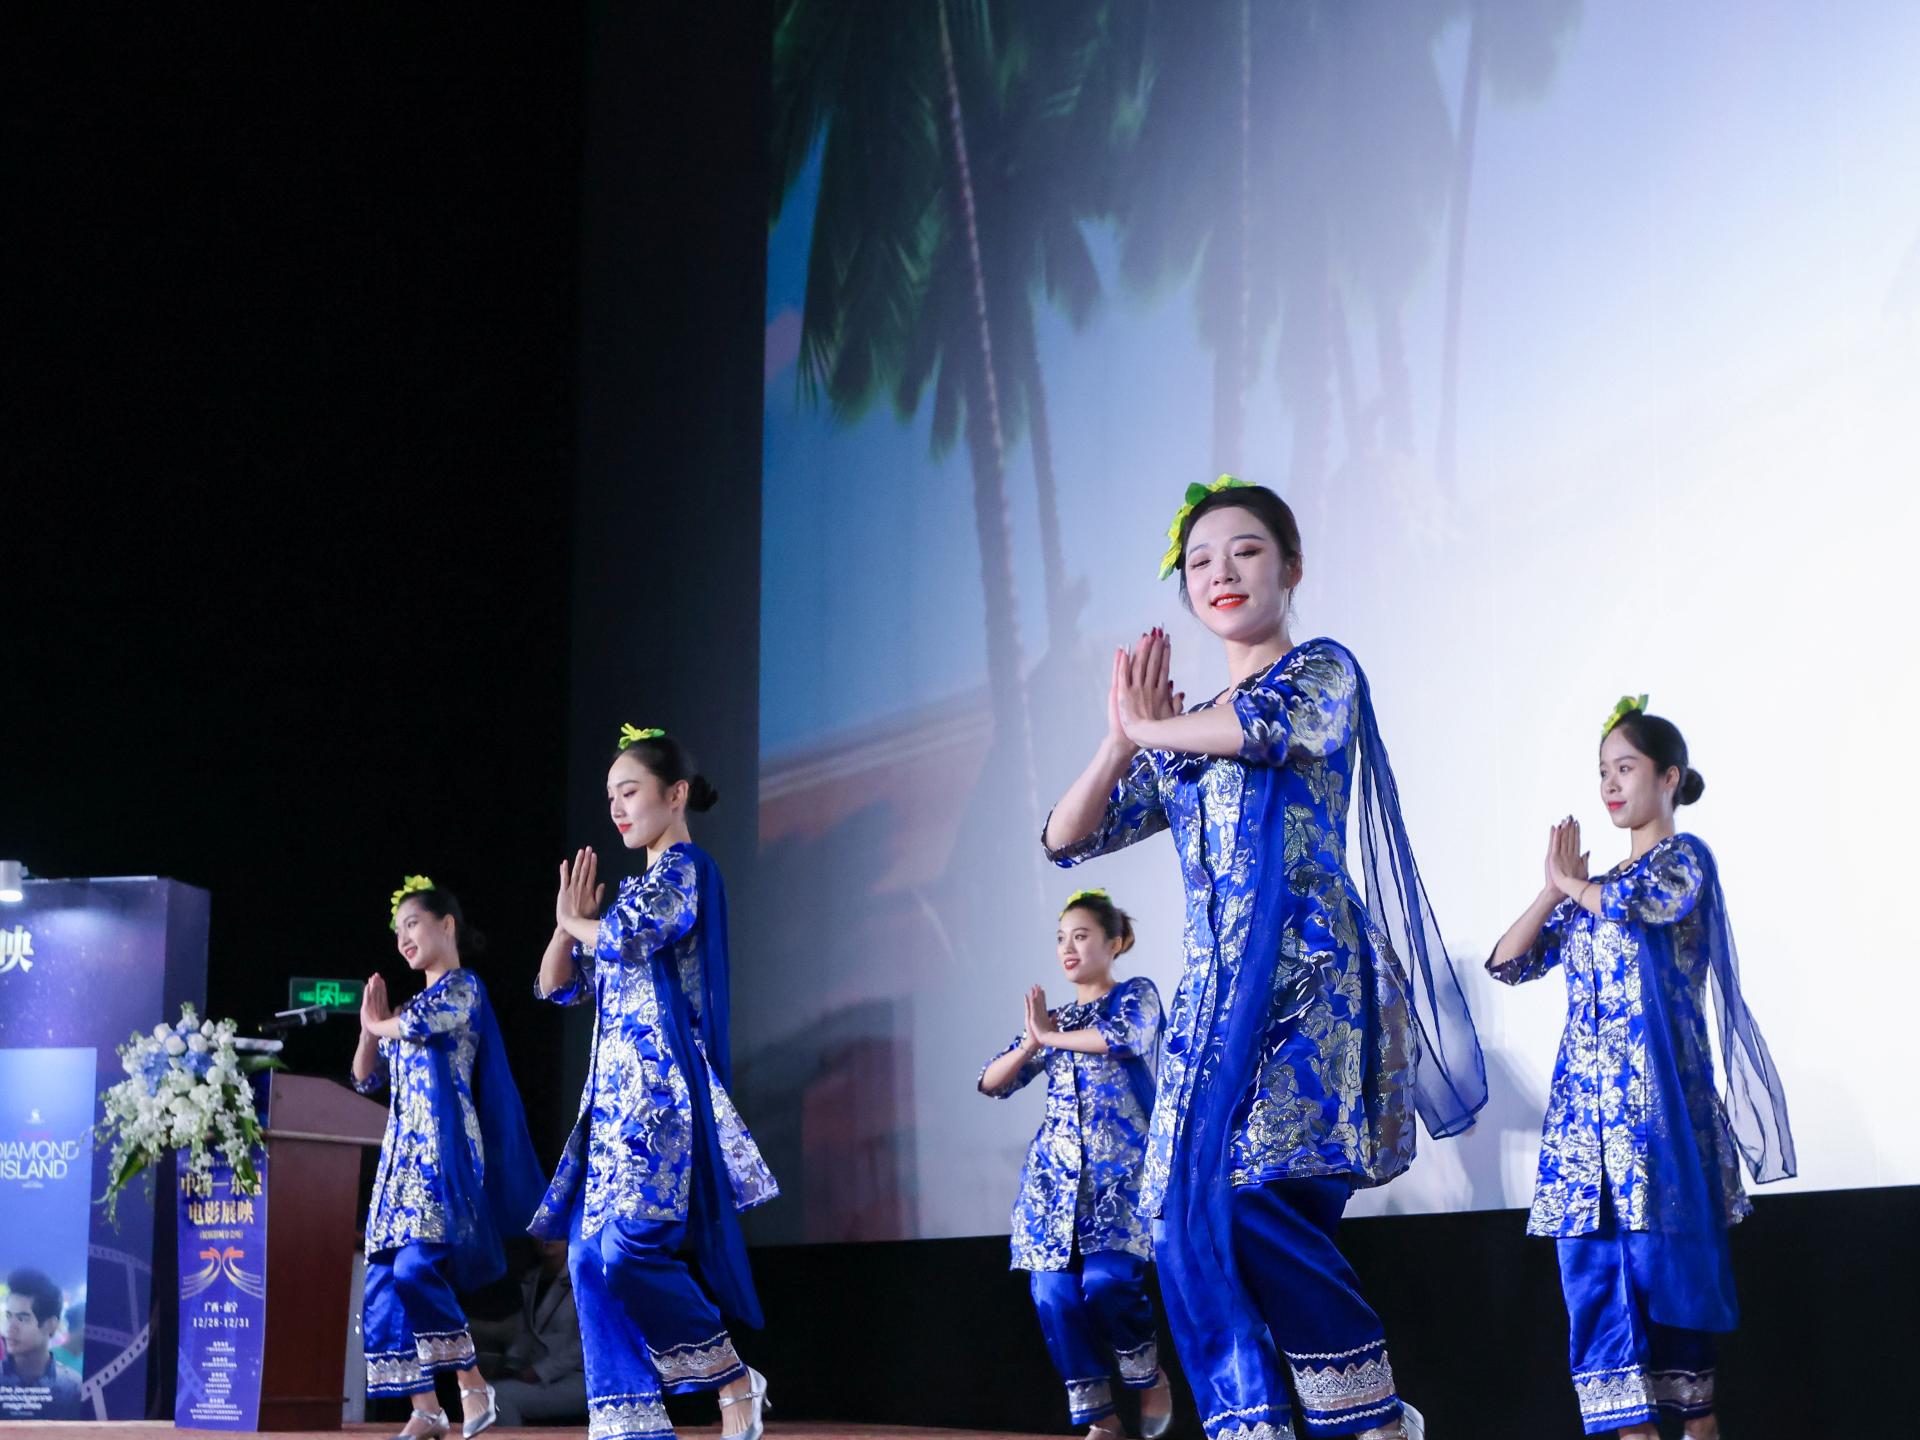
[315, 1130]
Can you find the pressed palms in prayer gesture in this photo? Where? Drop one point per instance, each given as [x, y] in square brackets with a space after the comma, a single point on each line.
[576, 909]
[1039, 1022]
[1567, 866]
[374, 1005]
[1142, 688]
[1566, 861]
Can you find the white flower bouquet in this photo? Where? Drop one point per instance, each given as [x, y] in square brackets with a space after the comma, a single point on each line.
[186, 1090]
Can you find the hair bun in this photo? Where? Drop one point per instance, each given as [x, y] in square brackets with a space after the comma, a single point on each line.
[701, 796]
[1692, 787]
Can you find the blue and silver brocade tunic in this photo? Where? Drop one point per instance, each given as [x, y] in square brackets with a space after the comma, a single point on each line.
[406, 1207]
[632, 1144]
[1334, 1093]
[1080, 1186]
[1595, 1133]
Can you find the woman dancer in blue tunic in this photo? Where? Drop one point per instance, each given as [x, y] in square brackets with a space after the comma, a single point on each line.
[1638, 1172]
[457, 1171]
[659, 1161]
[1077, 1227]
[1309, 1024]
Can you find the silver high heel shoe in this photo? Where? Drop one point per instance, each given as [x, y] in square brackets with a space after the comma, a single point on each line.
[485, 1419]
[1152, 1427]
[436, 1420]
[756, 1396]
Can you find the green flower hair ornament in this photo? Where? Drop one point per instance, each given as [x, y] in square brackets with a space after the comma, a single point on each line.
[412, 885]
[1170, 561]
[1626, 706]
[1080, 895]
[630, 736]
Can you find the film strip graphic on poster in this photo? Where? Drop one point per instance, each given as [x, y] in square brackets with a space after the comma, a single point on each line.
[93, 1390]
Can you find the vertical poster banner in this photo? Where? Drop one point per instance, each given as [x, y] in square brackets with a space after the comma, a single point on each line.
[87, 963]
[46, 1179]
[223, 1301]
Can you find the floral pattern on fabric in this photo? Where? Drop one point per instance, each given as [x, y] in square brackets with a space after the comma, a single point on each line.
[1596, 1129]
[632, 1146]
[1334, 1095]
[1080, 1186]
[406, 1207]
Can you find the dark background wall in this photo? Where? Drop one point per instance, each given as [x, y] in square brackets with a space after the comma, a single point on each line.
[289, 456]
[381, 428]
[666, 555]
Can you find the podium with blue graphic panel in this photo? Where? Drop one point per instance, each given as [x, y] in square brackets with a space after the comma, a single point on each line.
[261, 1307]
[83, 964]
[265, 1280]
[316, 1133]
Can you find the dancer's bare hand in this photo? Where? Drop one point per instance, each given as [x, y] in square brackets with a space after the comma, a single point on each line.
[1566, 861]
[1116, 724]
[1146, 692]
[580, 891]
[373, 1002]
[1039, 1023]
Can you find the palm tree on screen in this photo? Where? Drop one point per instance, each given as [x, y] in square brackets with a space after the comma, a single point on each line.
[1289, 157]
[1041, 104]
[876, 85]
[942, 211]
[1188, 203]
[1514, 45]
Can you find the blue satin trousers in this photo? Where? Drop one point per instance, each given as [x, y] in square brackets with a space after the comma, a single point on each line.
[646, 1326]
[411, 1323]
[1097, 1318]
[1322, 1339]
[1627, 1366]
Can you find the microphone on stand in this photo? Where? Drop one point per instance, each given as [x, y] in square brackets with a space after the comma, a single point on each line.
[295, 1019]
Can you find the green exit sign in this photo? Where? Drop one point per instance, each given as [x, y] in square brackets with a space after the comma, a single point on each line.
[341, 997]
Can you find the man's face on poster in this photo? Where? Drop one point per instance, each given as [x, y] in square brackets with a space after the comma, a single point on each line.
[25, 1334]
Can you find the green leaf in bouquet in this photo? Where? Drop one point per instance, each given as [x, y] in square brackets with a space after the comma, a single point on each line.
[132, 1166]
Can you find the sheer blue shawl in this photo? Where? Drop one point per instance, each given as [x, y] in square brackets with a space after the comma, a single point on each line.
[1690, 1280]
[1450, 1072]
[713, 1223]
[482, 1208]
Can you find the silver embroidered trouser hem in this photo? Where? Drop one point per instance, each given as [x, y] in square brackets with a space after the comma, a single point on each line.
[411, 1321]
